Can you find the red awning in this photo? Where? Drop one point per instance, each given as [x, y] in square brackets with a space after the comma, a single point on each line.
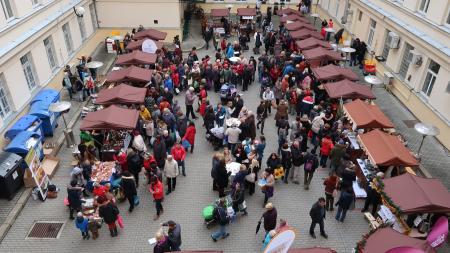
[220, 13]
[366, 115]
[304, 34]
[322, 54]
[333, 72]
[415, 194]
[111, 118]
[347, 89]
[137, 44]
[386, 150]
[385, 239]
[312, 250]
[288, 11]
[151, 34]
[294, 17]
[136, 58]
[297, 25]
[131, 74]
[121, 94]
[311, 43]
[246, 12]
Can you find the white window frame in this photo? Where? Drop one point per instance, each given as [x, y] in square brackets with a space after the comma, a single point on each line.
[29, 71]
[447, 20]
[371, 33]
[6, 107]
[68, 38]
[360, 15]
[51, 53]
[386, 46]
[241, 0]
[82, 27]
[338, 2]
[423, 6]
[8, 12]
[35, 3]
[407, 58]
[93, 16]
[430, 79]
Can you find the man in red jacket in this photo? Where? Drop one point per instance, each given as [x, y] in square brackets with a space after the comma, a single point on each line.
[157, 190]
[179, 154]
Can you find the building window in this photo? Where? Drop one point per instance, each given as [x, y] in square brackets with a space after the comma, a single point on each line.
[7, 9]
[5, 104]
[338, 2]
[82, 27]
[447, 22]
[51, 55]
[372, 26]
[28, 70]
[423, 7]
[93, 16]
[35, 2]
[360, 15]
[386, 46]
[67, 38]
[432, 72]
[406, 60]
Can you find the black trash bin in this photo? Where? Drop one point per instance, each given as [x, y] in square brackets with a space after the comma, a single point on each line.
[11, 174]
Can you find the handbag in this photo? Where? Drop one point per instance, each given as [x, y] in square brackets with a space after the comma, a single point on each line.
[251, 177]
[185, 143]
[242, 206]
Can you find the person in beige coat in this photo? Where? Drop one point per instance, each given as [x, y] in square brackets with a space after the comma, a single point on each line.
[171, 173]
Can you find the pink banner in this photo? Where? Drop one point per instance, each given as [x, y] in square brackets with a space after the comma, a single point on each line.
[439, 232]
[405, 250]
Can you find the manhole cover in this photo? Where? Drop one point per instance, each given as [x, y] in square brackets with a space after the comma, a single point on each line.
[45, 229]
[410, 123]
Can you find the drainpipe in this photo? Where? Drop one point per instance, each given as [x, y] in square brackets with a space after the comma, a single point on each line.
[96, 15]
[345, 16]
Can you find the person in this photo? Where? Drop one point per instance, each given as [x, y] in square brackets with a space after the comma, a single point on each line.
[93, 227]
[134, 163]
[273, 161]
[171, 172]
[269, 236]
[189, 136]
[128, 186]
[179, 155]
[237, 197]
[344, 202]
[260, 146]
[268, 96]
[282, 226]
[162, 243]
[159, 151]
[373, 197]
[222, 218]
[317, 214]
[261, 115]
[222, 178]
[268, 188]
[325, 149]
[336, 154]
[331, 183]
[157, 190]
[269, 218]
[297, 161]
[109, 212]
[252, 176]
[286, 161]
[74, 198]
[144, 113]
[189, 102]
[310, 166]
[82, 224]
[232, 134]
[174, 234]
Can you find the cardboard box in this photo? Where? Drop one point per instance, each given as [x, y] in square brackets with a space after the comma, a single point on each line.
[50, 164]
[28, 180]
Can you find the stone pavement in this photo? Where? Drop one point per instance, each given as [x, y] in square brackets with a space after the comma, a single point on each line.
[185, 206]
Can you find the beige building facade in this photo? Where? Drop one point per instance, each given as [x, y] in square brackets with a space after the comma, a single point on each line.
[413, 39]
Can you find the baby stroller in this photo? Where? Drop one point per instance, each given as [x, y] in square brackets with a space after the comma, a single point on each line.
[208, 211]
[227, 92]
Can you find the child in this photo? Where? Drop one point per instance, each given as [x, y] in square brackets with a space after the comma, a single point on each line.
[82, 224]
[93, 227]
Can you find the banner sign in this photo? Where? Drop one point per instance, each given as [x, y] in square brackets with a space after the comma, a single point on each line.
[37, 172]
[439, 232]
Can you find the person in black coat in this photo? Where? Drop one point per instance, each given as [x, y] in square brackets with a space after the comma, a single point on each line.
[108, 212]
[134, 163]
[247, 77]
[128, 186]
[159, 152]
[238, 199]
[317, 214]
[222, 178]
[269, 218]
[310, 166]
[215, 164]
[238, 103]
[344, 202]
[74, 198]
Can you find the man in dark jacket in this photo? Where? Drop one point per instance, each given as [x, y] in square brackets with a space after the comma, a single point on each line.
[261, 115]
[160, 151]
[310, 166]
[344, 202]
[269, 218]
[74, 198]
[317, 214]
[238, 103]
[220, 214]
[222, 178]
[108, 212]
[174, 234]
[134, 162]
[297, 161]
[129, 188]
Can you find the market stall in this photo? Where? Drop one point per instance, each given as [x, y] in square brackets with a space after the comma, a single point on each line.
[288, 11]
[387, 239]
[311, 43]
[217, 19]
[293, 18]
[322, 54]
[304, 34]
[246, 16]
[150, 34]
[133, 75]
[332, 72]
[366, 116]
[121, 94]
[298, 25]
[111, 118]
[137, 44]
[136, 58]
[347, 89]
[312, 250]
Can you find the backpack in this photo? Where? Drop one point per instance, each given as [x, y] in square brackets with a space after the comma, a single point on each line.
[309, 165]
[221, 216]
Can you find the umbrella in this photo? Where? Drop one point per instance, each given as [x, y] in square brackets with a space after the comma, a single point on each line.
[259, 225]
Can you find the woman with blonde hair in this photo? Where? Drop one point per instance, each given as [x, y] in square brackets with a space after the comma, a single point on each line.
[162, 243]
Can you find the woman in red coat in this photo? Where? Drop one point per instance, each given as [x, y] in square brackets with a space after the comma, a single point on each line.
[325, 149]
[157, 190]
[190, 135]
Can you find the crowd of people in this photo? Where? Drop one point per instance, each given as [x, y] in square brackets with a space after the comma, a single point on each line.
[310, 134]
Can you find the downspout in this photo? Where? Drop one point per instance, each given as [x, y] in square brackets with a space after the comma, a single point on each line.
[96, 15]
